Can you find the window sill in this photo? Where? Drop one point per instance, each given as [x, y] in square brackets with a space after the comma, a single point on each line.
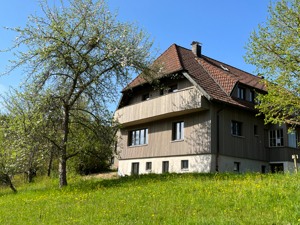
[132, 146]
[256, 135]
[177, 140]
[148, 171]
[184, 170]
[233, 135]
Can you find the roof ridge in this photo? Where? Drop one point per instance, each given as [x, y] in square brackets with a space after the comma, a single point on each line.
[178, 56]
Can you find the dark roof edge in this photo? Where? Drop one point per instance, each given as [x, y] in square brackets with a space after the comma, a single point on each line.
[176, 71]
[197, 86]
[237, 106]
[119, 103]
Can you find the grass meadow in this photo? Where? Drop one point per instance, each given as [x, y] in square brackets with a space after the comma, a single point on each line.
[157, 199]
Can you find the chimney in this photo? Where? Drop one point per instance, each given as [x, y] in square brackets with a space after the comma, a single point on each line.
[196, 48]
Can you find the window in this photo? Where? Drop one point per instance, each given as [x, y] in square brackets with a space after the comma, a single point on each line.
[135, 168]
[292, 139]
[173, 88]
[252, 96]
[276, 138]
[236, 128]
[165, 166]
[241, 93]
[112, 160]
[146, 97]
[263, 169]
[161, 92]
[184, 164]
[255, 130]
[138, 137]
[178, 131]
[148, 165]
[236, 167]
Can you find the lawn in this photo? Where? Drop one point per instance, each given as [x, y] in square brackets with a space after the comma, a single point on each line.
[157, 199]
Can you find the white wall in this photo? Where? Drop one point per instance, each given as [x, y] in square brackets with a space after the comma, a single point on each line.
[197, 164]
[226, 164]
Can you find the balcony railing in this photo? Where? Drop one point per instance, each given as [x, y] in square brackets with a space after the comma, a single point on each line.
[173, 104]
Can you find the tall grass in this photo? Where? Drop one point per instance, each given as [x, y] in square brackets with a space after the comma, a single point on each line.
[157, 199]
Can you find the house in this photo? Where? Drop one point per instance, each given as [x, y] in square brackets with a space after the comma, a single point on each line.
[202, 119]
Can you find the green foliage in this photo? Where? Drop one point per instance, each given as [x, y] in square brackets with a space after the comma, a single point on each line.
[157, 199]
[274, 50]
[77, 59]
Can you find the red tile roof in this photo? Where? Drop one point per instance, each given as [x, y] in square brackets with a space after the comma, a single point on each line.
[208, 73]
[170, 61]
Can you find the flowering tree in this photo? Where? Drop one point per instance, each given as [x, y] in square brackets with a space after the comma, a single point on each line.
[274, 50]
[74, 53]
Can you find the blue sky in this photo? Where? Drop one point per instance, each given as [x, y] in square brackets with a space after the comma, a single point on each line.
[223, 27]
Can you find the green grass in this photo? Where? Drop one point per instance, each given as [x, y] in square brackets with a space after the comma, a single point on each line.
[157, 199]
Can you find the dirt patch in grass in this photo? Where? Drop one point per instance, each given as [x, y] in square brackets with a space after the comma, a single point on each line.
[107, 175]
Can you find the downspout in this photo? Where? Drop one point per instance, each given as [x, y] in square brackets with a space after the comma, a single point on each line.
[218, 138]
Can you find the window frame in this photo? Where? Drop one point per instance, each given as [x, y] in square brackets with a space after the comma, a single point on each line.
[241, 91]
[147, 166]
[236, 167]
[146, 97]
[163, 166]
[275, 138]
[173, 88]
[255, 131]
[132, 168]
[175, 135]
[234, 130]
[252, 96]
[184, 166]
[290, 139]
[132, 140]
[263, 169]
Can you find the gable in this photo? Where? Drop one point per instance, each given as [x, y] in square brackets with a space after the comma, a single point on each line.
[214, 79]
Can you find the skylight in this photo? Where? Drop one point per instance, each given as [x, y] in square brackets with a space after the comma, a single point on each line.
[224, 68]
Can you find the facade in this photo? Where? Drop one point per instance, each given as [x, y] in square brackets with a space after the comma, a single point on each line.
[202, 118]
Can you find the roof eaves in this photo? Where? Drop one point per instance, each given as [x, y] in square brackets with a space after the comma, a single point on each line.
[176, 71]
[237, 106]
[197, 86]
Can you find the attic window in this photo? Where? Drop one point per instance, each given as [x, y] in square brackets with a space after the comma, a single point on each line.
[224, 68]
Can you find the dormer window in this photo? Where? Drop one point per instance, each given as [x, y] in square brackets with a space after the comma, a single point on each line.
[252, 96]
[241, 93]
[146, 97]
[173, 88]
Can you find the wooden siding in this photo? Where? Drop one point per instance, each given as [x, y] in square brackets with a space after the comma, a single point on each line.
[178, 103]
[247, 146]
[280, 154]
[196, 137]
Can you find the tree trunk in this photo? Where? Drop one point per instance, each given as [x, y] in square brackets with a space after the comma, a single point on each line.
[50, 164]
[63, 150]
[29, 175]
[9, 183]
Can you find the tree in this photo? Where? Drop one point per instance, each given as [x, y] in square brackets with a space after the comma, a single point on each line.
[275, 51]
[74, 53]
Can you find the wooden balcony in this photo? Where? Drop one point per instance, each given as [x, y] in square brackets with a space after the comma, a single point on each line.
[184, 101]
